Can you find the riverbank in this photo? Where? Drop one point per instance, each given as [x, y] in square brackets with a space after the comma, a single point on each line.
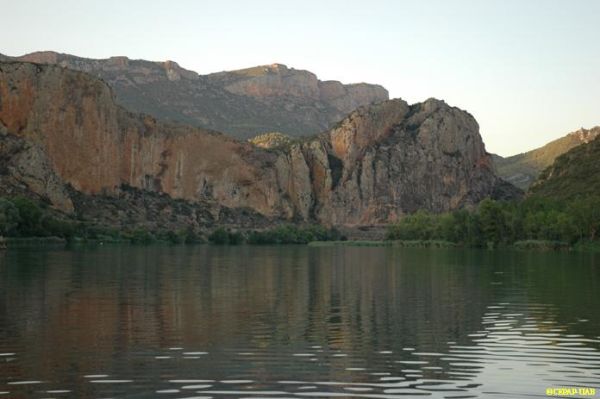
[528, 245]
[240, 239]
[312, 235]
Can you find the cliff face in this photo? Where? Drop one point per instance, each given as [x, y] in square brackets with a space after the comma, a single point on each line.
[239, 103]
[378, 163]
[96, 146]
[391, 158]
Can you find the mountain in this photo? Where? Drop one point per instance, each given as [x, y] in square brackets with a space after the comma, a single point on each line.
[573, 174]
[80, 152]
[523, 169]
[239, 103]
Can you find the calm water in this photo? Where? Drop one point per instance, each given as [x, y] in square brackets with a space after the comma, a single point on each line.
[294, 322]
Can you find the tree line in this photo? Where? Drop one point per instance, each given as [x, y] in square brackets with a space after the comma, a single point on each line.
[494, 224]
[24, 218]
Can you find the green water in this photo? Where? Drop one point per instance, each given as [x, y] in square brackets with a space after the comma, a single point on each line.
[296, 321]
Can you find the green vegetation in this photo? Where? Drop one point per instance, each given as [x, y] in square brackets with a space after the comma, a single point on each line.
[287, 234]
[290, 234]
[223, 237]
[573, 174]
[523, 169]
[350, 243]
[25, 222]
[424, 244]
[541, 244]
[533, 223]
[22, 217]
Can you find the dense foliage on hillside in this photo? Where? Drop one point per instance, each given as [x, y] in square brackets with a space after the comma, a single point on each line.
[572, 175]
[21, 217]
[497, 224]
[523, 169]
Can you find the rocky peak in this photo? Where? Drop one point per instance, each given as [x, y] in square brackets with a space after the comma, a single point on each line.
[42, 57]
[118, 61]
[175, 72]
[586, 135]
[267, 81]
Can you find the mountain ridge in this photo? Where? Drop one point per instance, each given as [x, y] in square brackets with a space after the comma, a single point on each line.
[237, 103]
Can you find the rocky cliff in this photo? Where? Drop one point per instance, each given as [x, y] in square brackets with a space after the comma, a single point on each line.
[239, 103]
[375, 165]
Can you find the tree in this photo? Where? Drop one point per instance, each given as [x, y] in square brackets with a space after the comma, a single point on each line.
[586, 215]
[30, 217]
[220, 236]
[493, 222]
[9, 217]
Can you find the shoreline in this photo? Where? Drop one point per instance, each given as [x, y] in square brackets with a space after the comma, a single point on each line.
[528, 245]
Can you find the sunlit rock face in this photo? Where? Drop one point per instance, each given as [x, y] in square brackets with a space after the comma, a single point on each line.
[274, 82]
[375, 165]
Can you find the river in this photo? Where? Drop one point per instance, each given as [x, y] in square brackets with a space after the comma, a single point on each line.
[296, 321]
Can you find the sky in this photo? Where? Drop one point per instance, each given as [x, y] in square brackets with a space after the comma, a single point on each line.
[527, 70]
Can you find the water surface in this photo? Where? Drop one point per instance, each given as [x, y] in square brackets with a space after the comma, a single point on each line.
[296, 322]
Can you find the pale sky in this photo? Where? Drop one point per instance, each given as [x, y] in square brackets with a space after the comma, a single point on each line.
[528, 70]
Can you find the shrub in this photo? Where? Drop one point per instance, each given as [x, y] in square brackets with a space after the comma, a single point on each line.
[30, 217]
[220, 237]
[142, 236]
[9, 217]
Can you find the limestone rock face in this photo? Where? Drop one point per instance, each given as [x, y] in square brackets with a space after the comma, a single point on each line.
[96, 146]
[379, 163]
[390, 159]
[240, 103]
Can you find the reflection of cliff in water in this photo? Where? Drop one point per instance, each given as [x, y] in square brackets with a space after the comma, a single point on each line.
[353, 299]
[421, 318]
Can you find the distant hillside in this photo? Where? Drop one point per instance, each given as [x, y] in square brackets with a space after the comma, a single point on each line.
[573, 174]
[523, 169]
[240, 103]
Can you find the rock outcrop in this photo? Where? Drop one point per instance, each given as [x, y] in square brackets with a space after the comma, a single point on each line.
[241, 103]
[377, 164]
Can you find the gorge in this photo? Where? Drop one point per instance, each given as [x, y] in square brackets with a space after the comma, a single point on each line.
[380, 162]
